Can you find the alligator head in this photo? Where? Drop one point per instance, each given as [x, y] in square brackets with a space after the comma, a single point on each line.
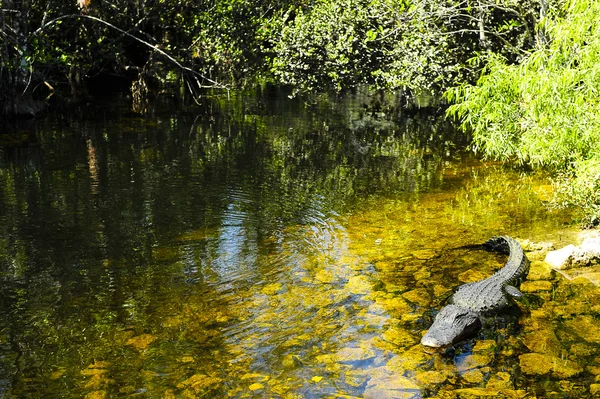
[451, 324]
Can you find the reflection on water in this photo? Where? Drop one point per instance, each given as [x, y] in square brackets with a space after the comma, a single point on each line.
[260, 248]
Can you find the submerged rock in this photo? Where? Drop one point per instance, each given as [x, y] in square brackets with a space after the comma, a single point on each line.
[528, 245]
[543, 341]
[536, 286]
[541, 364]
[539, 271]
[587, 327]
[419, 296]
[468, 393]
[500, 380]
[384, 384]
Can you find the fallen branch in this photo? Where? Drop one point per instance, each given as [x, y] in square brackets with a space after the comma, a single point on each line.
[153, 47]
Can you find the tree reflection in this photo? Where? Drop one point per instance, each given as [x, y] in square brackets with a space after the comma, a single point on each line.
[130, 248]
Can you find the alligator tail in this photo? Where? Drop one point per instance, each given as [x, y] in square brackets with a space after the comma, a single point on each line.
[497, 244]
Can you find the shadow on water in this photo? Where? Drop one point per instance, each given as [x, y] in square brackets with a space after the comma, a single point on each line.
[263, 248]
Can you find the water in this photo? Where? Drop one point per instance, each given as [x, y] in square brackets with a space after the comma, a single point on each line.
[258, 246]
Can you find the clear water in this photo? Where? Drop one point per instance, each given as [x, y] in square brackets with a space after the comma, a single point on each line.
[258, 246]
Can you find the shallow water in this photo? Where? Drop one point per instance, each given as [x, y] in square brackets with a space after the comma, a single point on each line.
[263, 247]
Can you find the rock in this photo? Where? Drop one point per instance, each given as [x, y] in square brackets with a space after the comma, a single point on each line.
[536, 246]
[580, 349]
[543, 341]
[586, 327]
[540, 364]
[350, 355]
[559, 259]
[409, 360]
[536, 286]
[358, 285]
[399, 337]
[486, 345]
[501, 380]
[384, 384]
[473, 376]
[474, 361]
[430, 377]
[587, 253]
[422, 275]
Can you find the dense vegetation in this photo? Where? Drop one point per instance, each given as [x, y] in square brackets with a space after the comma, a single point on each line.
[535, 102]
[545, 111]
[413, 45]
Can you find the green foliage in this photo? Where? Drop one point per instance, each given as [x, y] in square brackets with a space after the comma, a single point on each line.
[545, 111]
[416, 46]
[335, 45]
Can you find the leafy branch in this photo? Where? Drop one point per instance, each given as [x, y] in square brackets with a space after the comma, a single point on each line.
[194, 74]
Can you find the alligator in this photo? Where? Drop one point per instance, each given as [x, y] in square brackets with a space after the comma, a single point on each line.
[462, 317]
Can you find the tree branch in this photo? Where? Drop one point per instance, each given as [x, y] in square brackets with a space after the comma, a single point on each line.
[153, 47]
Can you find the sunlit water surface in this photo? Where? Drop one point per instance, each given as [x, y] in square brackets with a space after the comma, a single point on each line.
[259, 246]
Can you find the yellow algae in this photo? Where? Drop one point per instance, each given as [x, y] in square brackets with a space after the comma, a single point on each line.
[141, 342]
[408, 360]
[256, 386]
[291, 361]
[536, 286]
[586, 327]
[199, 382]
[484, 345]
[472, 275]
[539, 270]
[272, 289]
[95, 382]
[254, 376]
[424, 254]
[542, 341]
[93, 371]
[169, 394]
[475, 360]
[325, 276]
[500, 380]
[430, 377]
[473, 393]
[422, 275]
[419, 296]
[440, 291]
[540, 364]
[595, 389]
[396, 305]
[473, 376]
[55, 375]
[172, 321]
[96, 395]
[358, 285]
[399, 337]
[582, 349]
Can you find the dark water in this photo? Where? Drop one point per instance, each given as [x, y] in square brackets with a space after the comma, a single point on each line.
[256, 246]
